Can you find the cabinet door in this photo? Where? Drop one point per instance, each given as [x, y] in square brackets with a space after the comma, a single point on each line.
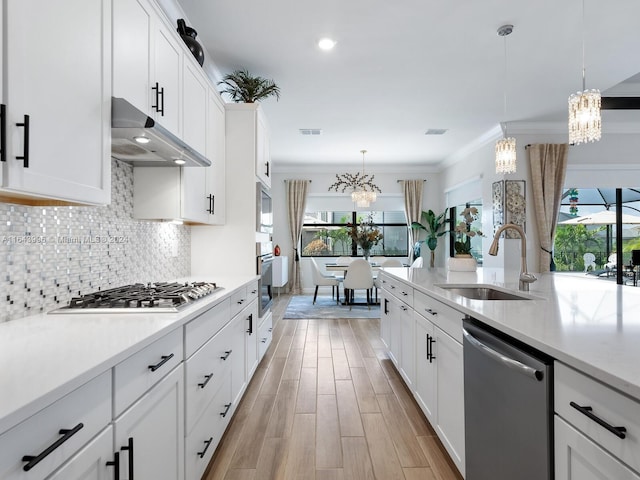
[395, 329]
[154, 428]
[263, 150]
[167, 66]
[425, 368]
[58, 97]
[193, 194]
[194, 107]
[238, 357]
[251, 339]
[132, 23]
[407, 349]
[450, 395]
[215, 181]
[3, 141]
[385, 327]
[90, 463]
[578, 458]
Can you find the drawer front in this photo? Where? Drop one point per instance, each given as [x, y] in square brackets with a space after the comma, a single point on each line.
[239, 300]
[141, 371]
[204, 374]
[252, 291]
[201, 443]
[202, 328]
[443, 316]
[398, 289]
[607, 405]
[88, 406]
[265, 335]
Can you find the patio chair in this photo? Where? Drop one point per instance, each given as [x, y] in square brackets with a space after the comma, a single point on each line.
[612, 261]
[589, 261]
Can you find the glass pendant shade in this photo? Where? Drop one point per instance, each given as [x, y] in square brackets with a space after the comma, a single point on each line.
[363, 198]
[506, 155]
[585, 121]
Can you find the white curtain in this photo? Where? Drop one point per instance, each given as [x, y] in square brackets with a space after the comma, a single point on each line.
[548, 163]
[412, 190]
[296, 205]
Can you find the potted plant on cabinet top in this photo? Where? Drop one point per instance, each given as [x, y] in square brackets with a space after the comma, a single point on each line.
[241, 86]
[434, 226]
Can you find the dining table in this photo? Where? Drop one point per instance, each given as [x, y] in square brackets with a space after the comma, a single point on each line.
[343, 267]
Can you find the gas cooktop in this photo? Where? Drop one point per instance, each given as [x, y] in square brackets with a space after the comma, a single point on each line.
[140, 297]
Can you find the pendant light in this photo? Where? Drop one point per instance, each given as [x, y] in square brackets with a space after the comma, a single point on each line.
[506, 147]
[363, 197]
[364, 190]
[585, 121]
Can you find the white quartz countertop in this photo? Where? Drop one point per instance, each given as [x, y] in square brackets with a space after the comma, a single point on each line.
[44, 357]
[588, 323]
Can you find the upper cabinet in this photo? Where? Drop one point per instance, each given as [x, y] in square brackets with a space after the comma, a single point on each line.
[246, 123]
[57, 72]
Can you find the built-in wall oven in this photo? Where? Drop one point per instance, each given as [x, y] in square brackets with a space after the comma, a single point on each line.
[265, 282]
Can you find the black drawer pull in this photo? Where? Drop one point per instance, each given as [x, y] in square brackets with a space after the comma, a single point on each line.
[164, 359]
[226, 354]
[226, 410]
[25, 153]
[161, 102]
[432, 312]
[617, 431]
[241, 301]
[250, 329]
[403, 308]
[404, 293]
[33, 460]
[253, 292]
[206, 447]
[264, 340]
[3, 133]
[156, 88]
[116, 465]
[267, 172]
[129, 449]
[206, 380]
[386, 306]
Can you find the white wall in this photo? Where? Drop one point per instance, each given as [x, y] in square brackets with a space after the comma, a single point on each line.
[319, 197]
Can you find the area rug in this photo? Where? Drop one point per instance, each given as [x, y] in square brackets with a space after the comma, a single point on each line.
[302, 307]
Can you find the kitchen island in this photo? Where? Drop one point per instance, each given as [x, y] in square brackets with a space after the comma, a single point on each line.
[588, 328]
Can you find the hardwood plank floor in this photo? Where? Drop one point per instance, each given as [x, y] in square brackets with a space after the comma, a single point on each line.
[326, 403]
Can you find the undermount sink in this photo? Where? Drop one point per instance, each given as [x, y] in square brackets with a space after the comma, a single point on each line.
[477, 292]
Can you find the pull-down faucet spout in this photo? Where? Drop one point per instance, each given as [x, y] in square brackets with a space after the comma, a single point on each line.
[525, 277]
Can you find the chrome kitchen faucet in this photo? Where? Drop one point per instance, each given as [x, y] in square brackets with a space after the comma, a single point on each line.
[525, 277]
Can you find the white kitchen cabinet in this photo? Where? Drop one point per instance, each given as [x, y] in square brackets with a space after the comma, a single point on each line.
[215, 192]
[579, 458]
[147, 62]
[425, 369]
[263, 149]
[280, 268]
[250, 315]
[96, 461]
[265, 334]
[58, 94]
[150, 434]
[195, 93]
[238, 356]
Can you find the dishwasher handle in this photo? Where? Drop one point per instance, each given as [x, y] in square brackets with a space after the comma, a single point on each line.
[506, 361]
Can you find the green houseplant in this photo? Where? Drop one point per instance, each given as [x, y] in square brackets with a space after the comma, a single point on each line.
[434, 226]
[241, 86]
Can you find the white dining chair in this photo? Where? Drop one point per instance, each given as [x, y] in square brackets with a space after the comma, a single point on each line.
[324, 280]
[344, 260]
[417, 263]
[359, 276]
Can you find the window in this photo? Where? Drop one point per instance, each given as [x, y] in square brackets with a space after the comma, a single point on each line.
[325, 234]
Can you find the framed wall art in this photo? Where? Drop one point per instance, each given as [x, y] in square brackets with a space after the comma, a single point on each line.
[497, 195]
[515, 205]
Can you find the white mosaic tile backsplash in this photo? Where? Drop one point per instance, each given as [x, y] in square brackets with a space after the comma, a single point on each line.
[49, 254]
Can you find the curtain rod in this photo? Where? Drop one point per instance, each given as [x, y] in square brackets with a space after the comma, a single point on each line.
[288, 179]
[398, 181]
[529, 144]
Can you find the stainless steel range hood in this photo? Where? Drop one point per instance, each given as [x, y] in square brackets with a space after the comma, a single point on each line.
[130, 127]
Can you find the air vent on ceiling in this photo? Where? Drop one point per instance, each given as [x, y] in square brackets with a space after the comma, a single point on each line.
[436, 131]
[310, 131]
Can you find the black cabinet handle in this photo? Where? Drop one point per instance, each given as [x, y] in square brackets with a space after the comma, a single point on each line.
[432, 312]
[254, 292]
[206, 447]
[3, 133]
[129, 449]
[156, 88]
[211, 209]
[267, 164]
[403, 308]
[430, 341]
[226, 410]
[270, 329]
[241, 301]
[206, 380]
[116, 465]
[164, 359]
[161, 111]
[264, 340]
[33, 460]
[617, 431]
[159, 106]
[250, 329]
[226, 354]
[25, 153]
[386, 306]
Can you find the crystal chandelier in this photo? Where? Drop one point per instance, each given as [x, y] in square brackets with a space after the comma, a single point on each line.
[585, 121]
[505, 148]
[364, 190]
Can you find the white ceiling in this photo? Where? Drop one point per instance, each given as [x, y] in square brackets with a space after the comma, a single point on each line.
[400, 68]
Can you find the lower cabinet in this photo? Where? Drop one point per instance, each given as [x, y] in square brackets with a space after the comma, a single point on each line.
[150, 434]
[579, 458]
[265, 334]
[251, 339]
[96, 461]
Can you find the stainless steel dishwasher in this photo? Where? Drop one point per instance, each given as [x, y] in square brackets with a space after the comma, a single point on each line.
[507, 407]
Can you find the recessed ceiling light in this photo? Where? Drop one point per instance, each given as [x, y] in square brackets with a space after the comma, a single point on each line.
[326, 44]
[142, 139]
[179, 161]
[436, 131]
[310, 131]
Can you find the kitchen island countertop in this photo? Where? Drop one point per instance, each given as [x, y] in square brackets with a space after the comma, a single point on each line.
[590, 324]
[44, 357]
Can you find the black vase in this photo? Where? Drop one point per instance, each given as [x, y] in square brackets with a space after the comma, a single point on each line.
[188, 36]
